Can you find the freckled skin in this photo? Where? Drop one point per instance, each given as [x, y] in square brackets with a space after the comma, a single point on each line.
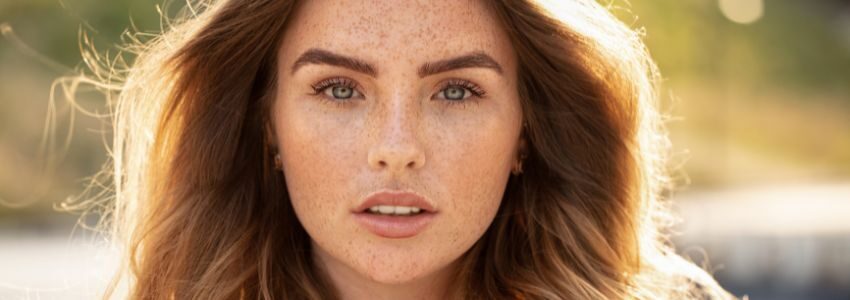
[397, 136]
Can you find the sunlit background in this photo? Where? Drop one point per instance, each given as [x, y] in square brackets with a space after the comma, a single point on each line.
[757, 93]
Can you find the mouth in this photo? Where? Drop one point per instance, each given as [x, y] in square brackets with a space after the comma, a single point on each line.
[395, 214]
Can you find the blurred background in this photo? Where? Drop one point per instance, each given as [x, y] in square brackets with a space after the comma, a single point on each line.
[757, 93]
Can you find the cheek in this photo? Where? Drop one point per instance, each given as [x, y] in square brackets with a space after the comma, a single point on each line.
[317, 163]
[474, 170]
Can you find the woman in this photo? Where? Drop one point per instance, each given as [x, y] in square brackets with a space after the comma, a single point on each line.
[270, 149]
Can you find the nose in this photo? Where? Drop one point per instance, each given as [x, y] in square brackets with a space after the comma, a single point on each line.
[397, 148]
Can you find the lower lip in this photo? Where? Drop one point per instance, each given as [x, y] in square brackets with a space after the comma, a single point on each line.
[394, 227]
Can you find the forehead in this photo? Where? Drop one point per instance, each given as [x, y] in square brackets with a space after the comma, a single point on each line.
[383, 31]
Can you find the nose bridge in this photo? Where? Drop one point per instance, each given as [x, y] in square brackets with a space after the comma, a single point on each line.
[396, 123]
[400, 114]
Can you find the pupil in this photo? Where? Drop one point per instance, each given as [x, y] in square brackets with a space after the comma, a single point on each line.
[341, 92]
[454, 93]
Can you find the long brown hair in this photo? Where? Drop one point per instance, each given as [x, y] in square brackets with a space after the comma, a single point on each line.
[203, 215]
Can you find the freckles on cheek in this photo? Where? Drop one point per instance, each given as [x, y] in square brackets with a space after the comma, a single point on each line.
[312, 136]
[315, 152]
[477, 175]
[482, 148]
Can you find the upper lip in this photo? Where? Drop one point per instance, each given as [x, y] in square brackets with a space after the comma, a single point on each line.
[395, 198]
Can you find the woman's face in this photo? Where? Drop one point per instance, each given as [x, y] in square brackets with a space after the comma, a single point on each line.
[379, 95]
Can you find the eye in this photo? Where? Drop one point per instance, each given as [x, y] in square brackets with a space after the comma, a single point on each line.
[455, 93]
[458, 91]
[338, 88]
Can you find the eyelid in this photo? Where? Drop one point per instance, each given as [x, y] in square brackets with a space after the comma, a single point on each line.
[334, 81]
[474, 88]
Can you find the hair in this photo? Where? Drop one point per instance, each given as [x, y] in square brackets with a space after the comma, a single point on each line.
[202, 214]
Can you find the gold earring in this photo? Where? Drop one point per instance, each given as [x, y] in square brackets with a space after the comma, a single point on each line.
[518, 165]
[278, 165]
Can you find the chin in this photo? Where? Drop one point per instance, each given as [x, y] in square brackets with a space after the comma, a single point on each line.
[399, 275]
[396, 269]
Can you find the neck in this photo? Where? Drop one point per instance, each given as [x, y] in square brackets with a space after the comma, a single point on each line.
[351, 285]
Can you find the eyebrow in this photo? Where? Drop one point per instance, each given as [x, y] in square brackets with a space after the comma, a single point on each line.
[472, 60]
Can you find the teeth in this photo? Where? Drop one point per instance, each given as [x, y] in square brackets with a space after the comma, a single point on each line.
[394, 210]
[385, 209]
[402, 210]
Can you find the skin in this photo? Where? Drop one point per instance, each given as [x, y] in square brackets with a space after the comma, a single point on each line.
[396, 132]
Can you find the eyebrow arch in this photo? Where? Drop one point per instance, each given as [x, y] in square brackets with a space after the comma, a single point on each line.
[320, 56]
[472, 60]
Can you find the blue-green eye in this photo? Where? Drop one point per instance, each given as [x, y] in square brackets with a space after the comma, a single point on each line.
[455, 91]
[337, 88]
[341, 92]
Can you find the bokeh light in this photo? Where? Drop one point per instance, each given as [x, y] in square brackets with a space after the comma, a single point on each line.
[742, 11]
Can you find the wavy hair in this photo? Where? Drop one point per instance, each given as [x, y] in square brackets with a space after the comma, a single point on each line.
[203, 215]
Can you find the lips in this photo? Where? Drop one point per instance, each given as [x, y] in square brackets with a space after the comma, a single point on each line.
[394, 214]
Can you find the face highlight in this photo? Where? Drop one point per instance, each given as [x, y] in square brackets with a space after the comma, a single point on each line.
[373, 95]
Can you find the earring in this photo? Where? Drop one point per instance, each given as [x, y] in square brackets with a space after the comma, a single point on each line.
[518, 165]
[278, 165]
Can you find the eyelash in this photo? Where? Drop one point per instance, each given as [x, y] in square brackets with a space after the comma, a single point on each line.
[321, 86]
[477, 91]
